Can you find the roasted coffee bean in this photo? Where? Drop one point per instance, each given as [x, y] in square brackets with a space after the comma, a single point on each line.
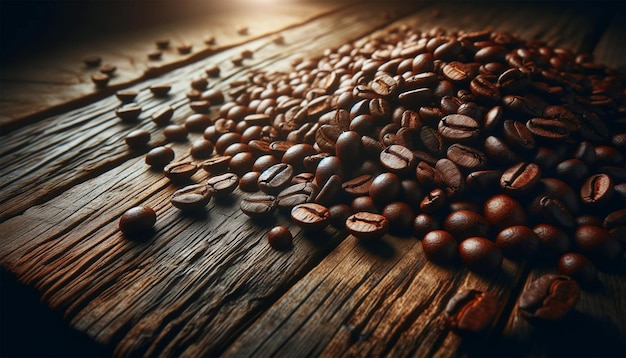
[550, 298]
[101, 80]
[175, 133]
[200, 106]
[459, 72]
[216, 165]
[466, 157]
[237, 148]
[184, 48]
[160, 90]
[415, 98]
[385, 188]
[280, 238]
[465, 205]
[201, 149]
[615, 219]
[138, 139]
[400, 216]
[520, 178]
[222, 185]
[327, 167]
[572, 170]
[484, 90]
[578, 267]
[303, 178]
[226, 140]
[493, 118]
[155, 55]
[552, 240]
[213, 95]
[180, 171]
[423, 224]
[450, 176]
[275, 178]
[339, 213]
[547, 129]
[107, 69]
[524, 106]
[518, 135]
[398, 159]
[296, 194]
[258, 205]
[138, 221]
[483, 180]
[597, 243]
[163, 115]
[191, 197]
[349, 148]
[440, 247]
[129, 112]
[241, 163]
[480, 255]
[126, 96]
[517, 242]
[249, 182]
[427, 176]
[279, 147]
[458, 128]
[358, 186]
[431, 140]
[158, 157]
[311, 162]
[296, 154]
[558, 189]
[367, 226]
[608, 155]
[465, 223]
[433, 201]
[588, 220]
[329, 192]
[502, 211]
[310, 216]
[92, 61]
[597, 189]
[471, 311]
[198, 122]
[385, 85]
[364, 204]
[499, 151]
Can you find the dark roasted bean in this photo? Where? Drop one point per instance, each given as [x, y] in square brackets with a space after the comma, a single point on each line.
[550, 297]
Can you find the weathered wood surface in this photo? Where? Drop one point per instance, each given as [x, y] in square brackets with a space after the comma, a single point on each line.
[37, 87]
[209, 284]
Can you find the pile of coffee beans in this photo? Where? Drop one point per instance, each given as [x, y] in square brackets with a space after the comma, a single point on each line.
[481, 144]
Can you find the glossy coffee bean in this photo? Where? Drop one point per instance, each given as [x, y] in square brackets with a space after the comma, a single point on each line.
[365, 204]
[597, 243]
[467, 158]
[502, 211]
[138, 139]
[385, 188]
[578, 267]
[180, 171]
[216, 165]
[517, 242]
[518, 135]
[465, 223]
[458, 128]
[423, 224]
[400, 216]
[310, 216]
[163, 115]
[597, 189]
[520, 178]
[158, 157]
[197, 123]
[280, 238]
[191, 197]
[249, 182]
[440, 247]
[258, 206]
[160, 90]
[433, 201]
[451, 177]
[550, 297]
[201, 149]
[480, 255]
[126, 96]
[222, 185]
[175, 133]
[471, 311]
[339, 213]
[275, 178]
[349, 148]
[553, 241]
[241, 163]
[137, 221]
[367, 226]
[128, 113]
[330, 192]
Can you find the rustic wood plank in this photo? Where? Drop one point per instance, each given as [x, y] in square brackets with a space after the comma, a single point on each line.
[41, 161]
[38, 87]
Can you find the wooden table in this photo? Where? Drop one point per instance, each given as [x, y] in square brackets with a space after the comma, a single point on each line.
[209, 284]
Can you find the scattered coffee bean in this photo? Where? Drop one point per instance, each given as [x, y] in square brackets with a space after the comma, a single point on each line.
[280, 238]
[258, 205]
[480, 254]
[160, 90]
[129, 112]
[100, 79]
[126, 96]
[155, 55]
[163, 115]
[107, 69]
[163, 43]
[440, 247]
[159, 157]
[138, 139]
[517, 242]
[310, 216]
[184, 48]
[191, 197]
[550, 298]
[471, 311]
[180, 171]
[201, 149]
[222, 185]
[137, 221]
[92, 61]
[578, 267]
[367, 226]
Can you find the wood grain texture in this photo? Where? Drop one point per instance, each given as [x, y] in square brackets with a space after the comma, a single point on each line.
[209, 284]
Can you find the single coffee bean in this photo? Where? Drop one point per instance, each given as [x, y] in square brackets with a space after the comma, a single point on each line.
[498, 150]
[459, 72]
[310, 216]
[518, 135]
[258, 206]
[597, 243]
[547, 129]
[296, 154]
[471, 311]
[520, 178]
[163, 115]
[358, 186]
[92, 61]
[163, 43]
[198, 122]
[138, 139]
[249, 182]
[158, 157]
[558, 189]
[329, 192]
[385, 188]
[349, 148]
[524, 106]
[200, 106]
[226, 140]
[400, 216]
[184, 48]
[126, 96]
[365, 204]
[155, 55]
[431, 140]
[129, 113]
[339, 213]
[552, 211]
[502, 211]
[175, 133]
[458, 128]
[517, 242]
[483, 180]
[180, 171]
[107, 69]
[440, 247]
[480, 255]
[465, 223]
[199, 84]
[588, 220]
[553, 240]
[423, 224]
[160, 90]
[241, 163]
[367, 226]
[275, 178]
[213, 95]
[305, 177]
[201, 149]
[101, 80]
[597, 189]
[451, 176]
[608, 155]
[614, 219]
[427, 175]
[484, 90]
[433, 201]
[216, 165]
[398, 159]
[222, 185]
[137, 221]
[280, 238]
[191, 197]
[572, 171]
[328, 167]
[578, 267]
[550, 297]
[493, 118]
